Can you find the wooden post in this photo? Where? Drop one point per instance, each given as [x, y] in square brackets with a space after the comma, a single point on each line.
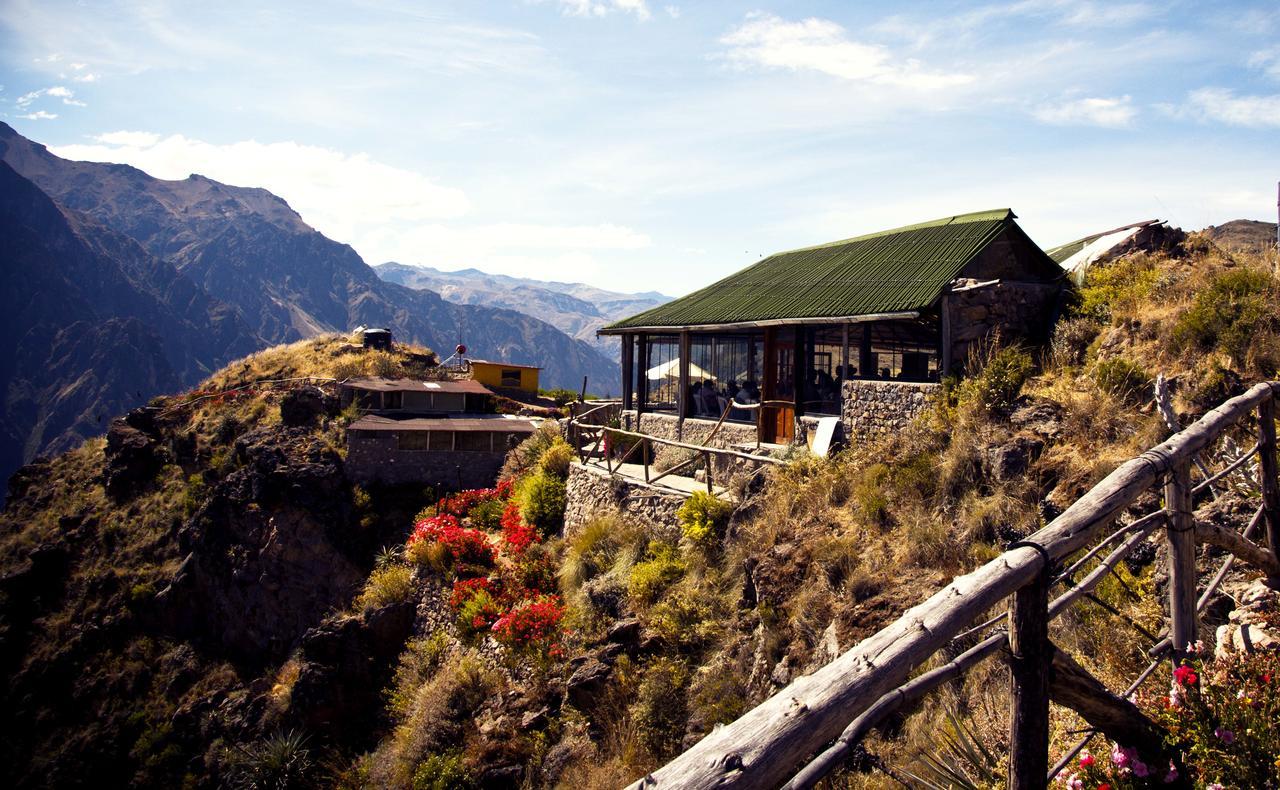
[1267, 472]
[1031, 657]
[642, 376]
[866, 361]
[707, 460]
[682, 394]
[946, 336]
[844, 355]
[644, 454]
[1181, 543]
[628, 370]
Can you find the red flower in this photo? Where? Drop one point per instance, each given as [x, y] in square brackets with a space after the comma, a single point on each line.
[517, 534]
[1185, 676]
[530, 623]
[466, 547]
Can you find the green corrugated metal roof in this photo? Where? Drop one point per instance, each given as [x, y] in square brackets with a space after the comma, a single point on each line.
[891, 271]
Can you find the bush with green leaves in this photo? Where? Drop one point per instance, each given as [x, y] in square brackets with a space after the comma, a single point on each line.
[661, 709]
[998, 382]
[556, 459]
[661, 568]
[443, 772]
[703, 518]
[542, 499]
[560, 395]
[1071, 339]
[1117, 288]
[1125, 379]
[387, 585]
[280, 762]
[1237, 308]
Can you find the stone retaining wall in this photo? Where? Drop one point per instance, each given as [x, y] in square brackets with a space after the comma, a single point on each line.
[591, 492]
[873, 408]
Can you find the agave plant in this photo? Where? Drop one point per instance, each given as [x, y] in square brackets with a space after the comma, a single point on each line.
[280, 762]
[961, 761]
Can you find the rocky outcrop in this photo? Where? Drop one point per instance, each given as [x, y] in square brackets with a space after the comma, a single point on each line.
[1248, 628]
[266, 555]
[133, 454]
[591, 492]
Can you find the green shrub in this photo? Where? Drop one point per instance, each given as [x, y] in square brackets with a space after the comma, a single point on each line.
[524, 458]
[1117, 288]
[1236, 308]
[560, 395]
[443, 772]
[477, 613]
[1000, 380]
[1071, 339]
[703, 517]
[194, 495]
[388, 585]
[542, 500]
[1122, 378]
[661, 709]
[601, 544]
[555, 460]
[419, 661]
[280, 762]
[487, 515]
[685, 618]
[870, 493]
[660, 569]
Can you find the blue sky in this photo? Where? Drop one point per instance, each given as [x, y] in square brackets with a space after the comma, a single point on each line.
[642, 145]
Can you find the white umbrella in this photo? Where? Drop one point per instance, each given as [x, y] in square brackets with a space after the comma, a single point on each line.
[671, 370]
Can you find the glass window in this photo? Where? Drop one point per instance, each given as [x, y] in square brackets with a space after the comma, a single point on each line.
[474, 441]
[825, 369]
[660, 373]
[391, 400]
[901, 351]
[441, 440]
[510, 378]
[724, 368]
[413, 441]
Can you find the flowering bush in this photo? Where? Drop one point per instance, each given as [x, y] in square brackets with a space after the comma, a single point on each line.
[461, 503]
[443, 543]
[1225, 715]
[517, 534]
[475, 604]
[531, 625]
[1222, 716]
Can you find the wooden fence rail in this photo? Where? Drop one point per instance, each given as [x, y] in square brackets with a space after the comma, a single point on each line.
[826, 713]
[590, 441]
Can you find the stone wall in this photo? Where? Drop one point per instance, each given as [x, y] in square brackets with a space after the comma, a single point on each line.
[591, 492]
[872, 408]
[374, 456]
[1017, 310]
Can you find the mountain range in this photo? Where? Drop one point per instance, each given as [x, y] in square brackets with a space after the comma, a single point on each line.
[120, 286]
[576, 309]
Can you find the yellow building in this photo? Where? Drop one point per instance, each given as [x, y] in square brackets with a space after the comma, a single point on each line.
[505, 375]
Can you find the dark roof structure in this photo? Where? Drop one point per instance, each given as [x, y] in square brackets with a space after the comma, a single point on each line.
[892, 273]
[497, 422]
[466, 386]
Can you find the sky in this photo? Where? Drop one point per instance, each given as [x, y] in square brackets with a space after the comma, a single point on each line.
[640, 145]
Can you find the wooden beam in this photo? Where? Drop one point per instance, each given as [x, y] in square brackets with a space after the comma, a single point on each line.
[1029, 660]
[945, 318]
[642, 377]
[1072, 686]
[682, 392]
[866, 362]
[1180, 540]
[1239, 546]
[762, 747]
[1267, 474]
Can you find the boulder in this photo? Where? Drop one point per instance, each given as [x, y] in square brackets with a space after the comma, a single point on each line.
[586, 682]
[303, 406]
[1011, 459]
[133, 457]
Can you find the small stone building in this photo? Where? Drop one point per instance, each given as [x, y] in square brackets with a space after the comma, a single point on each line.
[439, 433]
[862, 329]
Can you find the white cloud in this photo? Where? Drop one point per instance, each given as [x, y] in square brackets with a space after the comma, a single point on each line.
[342, 195]
[770, 42]
[1224, 106]
[1267, 61]
[598, 8]
[88, 76]
[39, 115]
[57, 92]
[673, 11]
[1096, 111]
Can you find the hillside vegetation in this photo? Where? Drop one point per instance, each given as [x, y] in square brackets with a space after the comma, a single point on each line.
[205, 599]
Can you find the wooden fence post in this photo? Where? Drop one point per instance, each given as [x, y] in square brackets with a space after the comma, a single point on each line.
[1267, 472]
[1029, 665]
[1181, 542]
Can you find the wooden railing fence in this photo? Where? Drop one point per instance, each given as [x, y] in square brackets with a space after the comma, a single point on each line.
[806, 730]
[592, 446]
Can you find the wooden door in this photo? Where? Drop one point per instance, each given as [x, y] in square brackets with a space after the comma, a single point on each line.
[778, 421]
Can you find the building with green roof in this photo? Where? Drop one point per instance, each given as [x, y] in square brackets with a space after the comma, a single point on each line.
[803, 331]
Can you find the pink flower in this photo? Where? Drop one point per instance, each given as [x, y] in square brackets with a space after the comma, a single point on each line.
[1172, 776]
[1120, 756]
[1215, 786]
[1227, 736]
[1185, 675]
[1074, 783]
[1140, 769]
